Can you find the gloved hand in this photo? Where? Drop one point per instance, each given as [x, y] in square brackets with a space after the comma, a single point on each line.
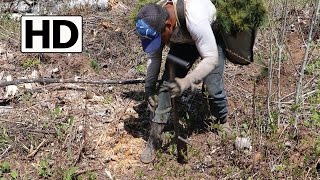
[177, 87]
[207, 64]
[152, 99]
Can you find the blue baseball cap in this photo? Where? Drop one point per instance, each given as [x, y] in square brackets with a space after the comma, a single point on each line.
[150, 23]
[150, 38]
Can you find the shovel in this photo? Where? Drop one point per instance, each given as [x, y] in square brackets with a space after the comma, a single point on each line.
[181, 142]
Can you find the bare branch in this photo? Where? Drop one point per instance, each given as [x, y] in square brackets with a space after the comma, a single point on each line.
[5, 151]
[304, 64]
[270, 68]
[280, 46]
[56, 80]
[37, 149]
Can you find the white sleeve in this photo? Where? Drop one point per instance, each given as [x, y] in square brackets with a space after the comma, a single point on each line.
[153, 68]
[205, 42]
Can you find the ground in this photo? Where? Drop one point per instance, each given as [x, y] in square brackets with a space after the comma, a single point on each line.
[65, 131]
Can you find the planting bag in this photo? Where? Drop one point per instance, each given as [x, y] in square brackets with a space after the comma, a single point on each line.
[239, 46]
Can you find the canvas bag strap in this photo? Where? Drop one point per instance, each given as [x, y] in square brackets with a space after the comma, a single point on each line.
[180, 11]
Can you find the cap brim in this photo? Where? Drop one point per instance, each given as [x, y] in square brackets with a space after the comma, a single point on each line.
[150, 46]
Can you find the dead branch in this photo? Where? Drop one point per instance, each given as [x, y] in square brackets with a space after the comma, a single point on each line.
[79, 172]
[5, 151]
[56, 80]
[34, 152]
[10, 121]
[82, 142]
[41, 131]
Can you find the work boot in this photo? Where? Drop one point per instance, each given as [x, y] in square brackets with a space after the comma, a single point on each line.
[153, 144]
[225, 130]
[222, 126]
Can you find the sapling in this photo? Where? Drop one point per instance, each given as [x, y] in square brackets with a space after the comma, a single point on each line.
[240, 15]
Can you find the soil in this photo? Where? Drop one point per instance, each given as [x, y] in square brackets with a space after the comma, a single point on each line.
[101, 129]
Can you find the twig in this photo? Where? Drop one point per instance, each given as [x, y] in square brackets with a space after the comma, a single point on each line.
[270, 76]
[40, 131]
[254, 108]
[318, 161]
[309, 93]
[25, 147]
[215, 150]
[83, 138]
[104, 45]
[309, 169]
[56, 80]
[291, 94]
[283, 131]
[79, 172]
[49, 88]
[239, 87]
[184, 140]
[10, 121]
[304, 64]
[311, 80]
[99, 141]
[37, 149]
[280, 45]
[5, 151]
[232, 176]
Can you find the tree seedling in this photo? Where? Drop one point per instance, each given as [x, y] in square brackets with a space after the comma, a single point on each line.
[5, 167]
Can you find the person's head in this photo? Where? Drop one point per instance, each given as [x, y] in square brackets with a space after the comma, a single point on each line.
[153, 27]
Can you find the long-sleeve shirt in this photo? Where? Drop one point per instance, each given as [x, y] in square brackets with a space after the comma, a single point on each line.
[199, 14]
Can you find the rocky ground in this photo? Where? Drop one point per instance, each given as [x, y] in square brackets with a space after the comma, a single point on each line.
[70, 131]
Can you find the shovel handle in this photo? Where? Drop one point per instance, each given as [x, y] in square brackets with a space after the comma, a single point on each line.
[181, 145]
[182, 63]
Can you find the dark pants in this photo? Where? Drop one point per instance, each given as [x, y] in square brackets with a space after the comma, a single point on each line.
[213, 86]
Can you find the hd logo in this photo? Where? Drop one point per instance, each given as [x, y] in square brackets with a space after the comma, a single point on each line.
[51, 34]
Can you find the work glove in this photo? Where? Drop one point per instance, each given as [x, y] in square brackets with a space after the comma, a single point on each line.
[179, 85]
[152, 99]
